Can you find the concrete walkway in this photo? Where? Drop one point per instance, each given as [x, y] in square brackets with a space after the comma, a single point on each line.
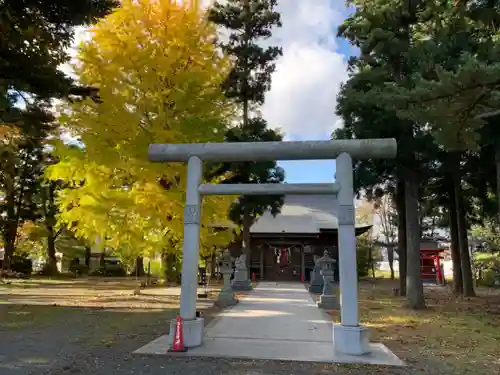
[281, 312]
[276, 321]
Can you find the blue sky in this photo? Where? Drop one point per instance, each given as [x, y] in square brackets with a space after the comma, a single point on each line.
[304, 88]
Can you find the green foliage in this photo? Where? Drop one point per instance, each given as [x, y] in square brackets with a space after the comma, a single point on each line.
[21, 263]
[34, 41]
[32, 240]
[263, 172]
[156, 269]
[488, 233]
[488, 267]
[21, 169]
[453, 71]
[367, 254]
[78, 269]
[111, 268]
[248, 23]
[385, 33]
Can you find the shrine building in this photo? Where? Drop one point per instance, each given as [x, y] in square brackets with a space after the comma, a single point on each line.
[283, 247]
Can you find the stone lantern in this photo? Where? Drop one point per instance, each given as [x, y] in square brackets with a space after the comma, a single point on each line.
[328, 300]
[226, 296]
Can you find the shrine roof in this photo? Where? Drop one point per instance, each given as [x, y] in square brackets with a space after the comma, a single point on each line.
[302, 214]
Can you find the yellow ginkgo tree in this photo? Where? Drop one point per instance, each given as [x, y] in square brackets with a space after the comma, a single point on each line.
[158, 72]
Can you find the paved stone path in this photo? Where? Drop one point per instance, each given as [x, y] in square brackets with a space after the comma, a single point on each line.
[274, 311]
[276, 321]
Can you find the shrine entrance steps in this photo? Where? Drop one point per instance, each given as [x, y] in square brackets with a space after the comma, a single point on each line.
[276, 321]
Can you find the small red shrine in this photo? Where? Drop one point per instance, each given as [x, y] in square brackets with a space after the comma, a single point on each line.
[431, 269]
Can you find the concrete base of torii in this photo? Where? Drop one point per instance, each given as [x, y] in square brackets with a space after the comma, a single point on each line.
[192, 331]
[352, 340]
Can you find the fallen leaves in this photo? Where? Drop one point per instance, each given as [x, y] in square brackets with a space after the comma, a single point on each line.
[447, 329]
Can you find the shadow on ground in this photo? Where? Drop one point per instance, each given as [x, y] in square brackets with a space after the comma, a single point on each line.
[91, 327]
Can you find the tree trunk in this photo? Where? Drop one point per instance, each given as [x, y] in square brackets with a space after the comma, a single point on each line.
[11, 224]
[102, 259]
[9, 247]
[370, 258]
[13, 209]
[139, 267]
[401, 209]
[390, 259]
[465, 261]
[455, 248]
[49, 222]
[245, 113]
[463, 243]
[497, 167]
[88, 255]
[167, 265]
[414, 287]
[247, 223]
[51, 265]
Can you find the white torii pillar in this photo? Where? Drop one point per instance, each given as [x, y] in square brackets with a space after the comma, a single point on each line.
[348, 336]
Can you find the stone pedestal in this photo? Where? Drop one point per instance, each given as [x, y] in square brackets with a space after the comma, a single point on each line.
[329, 302]
[226, 295]
[316, 285]
[241, 280]
[192, 331]
[350, 340]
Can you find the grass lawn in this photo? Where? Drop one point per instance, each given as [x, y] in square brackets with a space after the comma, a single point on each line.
[452, 336]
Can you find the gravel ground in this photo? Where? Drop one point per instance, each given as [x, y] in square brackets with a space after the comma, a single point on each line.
[101, 342]
[92, 329]
[65, 350]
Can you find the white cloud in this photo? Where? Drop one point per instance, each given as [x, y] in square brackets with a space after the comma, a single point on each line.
[308, 75]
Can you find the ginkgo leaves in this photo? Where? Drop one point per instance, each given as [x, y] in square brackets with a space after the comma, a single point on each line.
[159, 75]
[159, 72]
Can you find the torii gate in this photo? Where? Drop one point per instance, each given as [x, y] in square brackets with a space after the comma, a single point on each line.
[348, 336]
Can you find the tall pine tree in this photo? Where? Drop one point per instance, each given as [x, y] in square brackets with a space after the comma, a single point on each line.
[248, 22]
[383, 31]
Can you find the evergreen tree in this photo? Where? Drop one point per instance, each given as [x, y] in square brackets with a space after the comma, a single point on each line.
[34, 41]
[454, 54]
[451, 87]
[248, 22]
[383, 31]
